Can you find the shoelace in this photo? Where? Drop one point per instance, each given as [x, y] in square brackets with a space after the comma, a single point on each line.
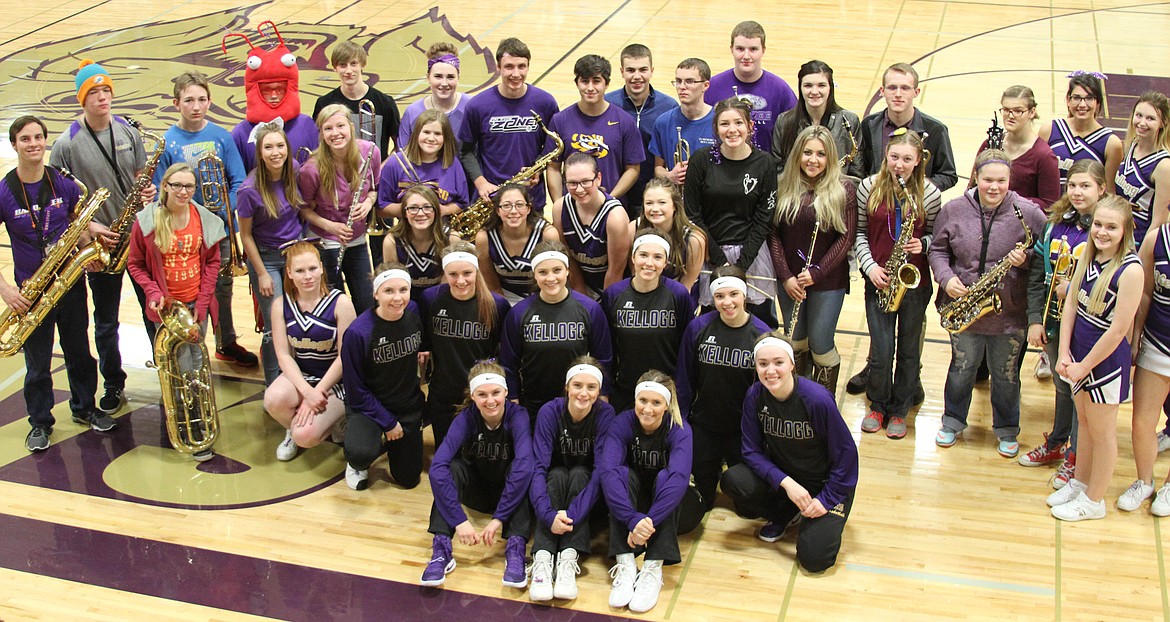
[542, 567]
[646, 576]
[564, 565]
[622, 574]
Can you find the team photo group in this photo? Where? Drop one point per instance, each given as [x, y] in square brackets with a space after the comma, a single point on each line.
[599, 338]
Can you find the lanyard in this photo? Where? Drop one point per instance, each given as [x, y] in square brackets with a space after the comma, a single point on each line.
[45, 196]
[985, 224]
[111, 159]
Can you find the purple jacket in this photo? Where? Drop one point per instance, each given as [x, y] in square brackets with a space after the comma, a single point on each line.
[957, 245]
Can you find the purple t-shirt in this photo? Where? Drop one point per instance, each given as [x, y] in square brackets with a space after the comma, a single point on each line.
[336, 208]
[770, 96]
[449, 183]
[455, 118]
[268, 232]
[27, 241]
[301, 132]
[612, 136]
[506, 136]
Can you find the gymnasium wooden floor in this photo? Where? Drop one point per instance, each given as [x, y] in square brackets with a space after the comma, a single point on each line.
[114, 527]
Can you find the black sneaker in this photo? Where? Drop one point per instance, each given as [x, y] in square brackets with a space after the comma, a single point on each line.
[38, 438]
[236, 353]
[856, 384]
[96, 420]
[112, 401]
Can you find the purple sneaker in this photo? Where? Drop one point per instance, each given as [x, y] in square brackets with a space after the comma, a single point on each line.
[514, 575]
[442, 562]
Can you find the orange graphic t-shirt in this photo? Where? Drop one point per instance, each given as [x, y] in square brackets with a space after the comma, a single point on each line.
[182, 260]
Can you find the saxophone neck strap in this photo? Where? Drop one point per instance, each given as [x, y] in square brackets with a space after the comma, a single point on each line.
[111, 156]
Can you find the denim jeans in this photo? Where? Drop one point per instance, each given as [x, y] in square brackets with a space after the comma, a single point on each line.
[273, 262]
[967, 351]
[1064, 417]
[895, 338]
[818, 318]
[225, 332]
[355, 271]
[67, 319]
[107, 300]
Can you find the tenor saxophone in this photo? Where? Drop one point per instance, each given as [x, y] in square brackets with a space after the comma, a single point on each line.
[982, 296]
[467, 223]
[188, 397]
[125, 220]
[903, 275]
[217, 197]
[64, 263]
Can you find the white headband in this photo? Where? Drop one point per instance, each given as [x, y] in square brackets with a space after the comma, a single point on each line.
[767, 342]
[656, 387]
[583, 369]
[729, 281]
[546, 255]
[451, 258]
[486, 378]
[393, 273]
[651, 238]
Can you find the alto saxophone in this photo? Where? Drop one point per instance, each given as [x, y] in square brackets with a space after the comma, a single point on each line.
[188, 397]
[358, 195]
[467, 223]
[64, 263]
[216, 197]
[982, 296]
[902, 274]
[852, 155]
[125, 220]
[1062, 269]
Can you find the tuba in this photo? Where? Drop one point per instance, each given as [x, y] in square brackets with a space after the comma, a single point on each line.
[64, 263]
[216, 197]
[982, 296]
[903, 275]
[125, 220]
[467, 223]
[1062, 269]
[188, 397]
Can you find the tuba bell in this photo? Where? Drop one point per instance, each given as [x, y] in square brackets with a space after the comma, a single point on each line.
[188, 397]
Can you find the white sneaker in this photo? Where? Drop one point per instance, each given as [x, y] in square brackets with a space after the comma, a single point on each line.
[623, 573]
[1163, 442]
[567, 569]
[1133, 496]
[355, 479]
[1081, 508]
[1066, 494]
[540, 587]
[647, 586]
[1043, 370]
[1161, 504]
[287, 449]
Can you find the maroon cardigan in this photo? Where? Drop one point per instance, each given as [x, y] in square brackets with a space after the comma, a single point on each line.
[787, 241]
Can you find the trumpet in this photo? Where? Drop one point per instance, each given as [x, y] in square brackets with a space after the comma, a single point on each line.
[1062, 270]
[356, 200]
[215, 191]
[188, 397]
[807, 262]
[64, 263]
[682, 149]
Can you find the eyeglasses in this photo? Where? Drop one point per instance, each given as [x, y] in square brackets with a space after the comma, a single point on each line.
[584, 183]
[513, 207]
[1076, 99]
[181, 187]
[419, 209]
[1013, 112]
[689, 83]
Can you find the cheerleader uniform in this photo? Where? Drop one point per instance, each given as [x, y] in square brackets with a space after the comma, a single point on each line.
[715, 369]
[458, 339]
[564, 477]
[647, 328]
[312, 335]
[380, 370]
[645, 475]
[425, 269]
[588, 244]
[1108, 383]
[804, 438]
[1155, 352]
[541, 340]
[1069, 147]
[515, 271]
[1135, 183]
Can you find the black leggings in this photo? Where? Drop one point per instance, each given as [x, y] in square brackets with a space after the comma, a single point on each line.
[365, 441]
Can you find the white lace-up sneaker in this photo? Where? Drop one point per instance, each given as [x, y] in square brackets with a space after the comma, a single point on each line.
[647, 586]
[540, 587]
[1067, 493]
[624, 572]
[287, 449]
[567, 569]
[1133, 496]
